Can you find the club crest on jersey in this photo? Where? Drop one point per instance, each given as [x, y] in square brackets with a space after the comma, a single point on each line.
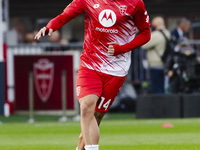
[107, 18]
[123, 9]
[43, 78]
[96, 6]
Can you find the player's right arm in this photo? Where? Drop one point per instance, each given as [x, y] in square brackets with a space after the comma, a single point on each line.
[71, 11]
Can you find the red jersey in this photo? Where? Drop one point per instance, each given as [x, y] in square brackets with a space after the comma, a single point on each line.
[108, 21]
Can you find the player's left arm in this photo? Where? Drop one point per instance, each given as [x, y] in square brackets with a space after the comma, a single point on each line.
[141, 20]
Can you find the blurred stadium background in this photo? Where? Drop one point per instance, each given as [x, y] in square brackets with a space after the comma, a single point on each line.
[37, 83]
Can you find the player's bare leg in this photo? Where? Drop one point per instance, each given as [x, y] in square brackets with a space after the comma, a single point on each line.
[99, 116]
[89, 126]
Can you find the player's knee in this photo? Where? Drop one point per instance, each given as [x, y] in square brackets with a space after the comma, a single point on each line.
[87, 105]
[86, 109]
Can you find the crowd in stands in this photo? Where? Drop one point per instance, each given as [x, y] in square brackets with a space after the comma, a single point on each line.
[173, 73]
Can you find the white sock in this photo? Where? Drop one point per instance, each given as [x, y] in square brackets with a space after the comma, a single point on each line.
[91, 147]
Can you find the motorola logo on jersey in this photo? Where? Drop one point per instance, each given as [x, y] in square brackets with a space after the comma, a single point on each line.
[107, 18]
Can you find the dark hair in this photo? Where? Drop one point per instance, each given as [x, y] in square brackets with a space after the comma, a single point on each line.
[182, 21]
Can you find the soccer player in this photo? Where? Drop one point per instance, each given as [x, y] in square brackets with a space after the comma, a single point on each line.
[110, 28]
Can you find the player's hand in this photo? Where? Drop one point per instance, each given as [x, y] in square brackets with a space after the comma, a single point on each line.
[42, 32]
[111, 49]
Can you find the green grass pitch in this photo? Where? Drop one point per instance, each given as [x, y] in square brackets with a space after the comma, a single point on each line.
[117, 133]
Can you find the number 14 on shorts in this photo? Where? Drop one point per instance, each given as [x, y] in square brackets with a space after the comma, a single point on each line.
[104, 105]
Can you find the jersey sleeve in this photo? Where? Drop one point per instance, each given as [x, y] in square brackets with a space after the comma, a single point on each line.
[141, 17]
[141, 20]
[71, 11]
